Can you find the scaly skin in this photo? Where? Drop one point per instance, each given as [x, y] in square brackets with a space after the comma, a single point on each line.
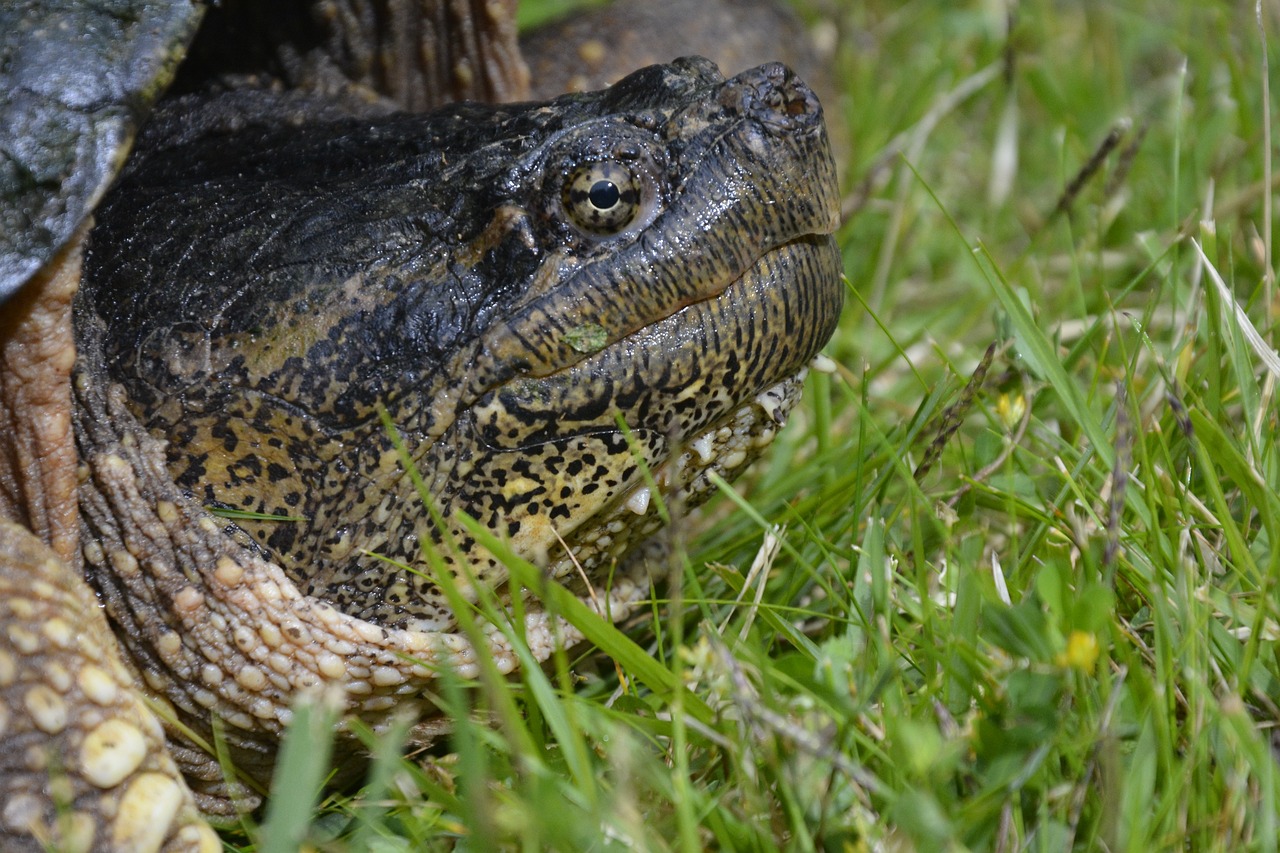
[215, 627]
[85, 764]
[38, 459]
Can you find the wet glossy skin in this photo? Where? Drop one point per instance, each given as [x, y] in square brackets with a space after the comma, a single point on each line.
[258, 292]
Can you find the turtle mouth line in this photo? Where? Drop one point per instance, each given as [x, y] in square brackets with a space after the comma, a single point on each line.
[683, 372]
[745, 287]
[753, 270]
[776, 274]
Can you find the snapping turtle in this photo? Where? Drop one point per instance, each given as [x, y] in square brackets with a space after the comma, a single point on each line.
[274, 295]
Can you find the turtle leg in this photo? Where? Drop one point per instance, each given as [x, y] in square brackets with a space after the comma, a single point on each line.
[37, 453]
[83, 762]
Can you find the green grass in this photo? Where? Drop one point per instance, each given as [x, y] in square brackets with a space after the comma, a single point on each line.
[1063, 634]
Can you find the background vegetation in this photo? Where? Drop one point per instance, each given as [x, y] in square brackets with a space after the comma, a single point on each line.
[1005, 599]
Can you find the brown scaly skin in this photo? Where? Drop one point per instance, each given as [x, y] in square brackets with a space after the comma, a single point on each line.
[212, 621]
[37, 350]
[83, 763]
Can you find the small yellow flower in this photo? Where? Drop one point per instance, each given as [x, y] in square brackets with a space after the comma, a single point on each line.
[1010, 410]
[1081, 653]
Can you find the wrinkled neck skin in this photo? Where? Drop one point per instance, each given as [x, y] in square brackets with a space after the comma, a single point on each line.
[295, 286]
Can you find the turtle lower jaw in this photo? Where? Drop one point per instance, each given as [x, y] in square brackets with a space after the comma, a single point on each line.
[725, 449]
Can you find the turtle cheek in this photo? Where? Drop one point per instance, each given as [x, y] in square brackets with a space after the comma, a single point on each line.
[538, 496]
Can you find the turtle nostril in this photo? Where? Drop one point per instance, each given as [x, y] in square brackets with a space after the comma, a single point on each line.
[774, 95]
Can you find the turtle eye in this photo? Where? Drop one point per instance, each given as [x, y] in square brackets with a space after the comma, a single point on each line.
[602, 198]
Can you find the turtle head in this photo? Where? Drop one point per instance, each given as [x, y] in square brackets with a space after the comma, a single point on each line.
[544, 299]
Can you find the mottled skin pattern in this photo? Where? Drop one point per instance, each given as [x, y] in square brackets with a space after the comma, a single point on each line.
[84, 763]
[438, 270]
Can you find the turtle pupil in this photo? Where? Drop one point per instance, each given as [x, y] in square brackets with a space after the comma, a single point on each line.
[604, 194]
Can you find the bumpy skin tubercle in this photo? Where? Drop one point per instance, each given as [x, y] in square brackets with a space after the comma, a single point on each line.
[85, 764]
